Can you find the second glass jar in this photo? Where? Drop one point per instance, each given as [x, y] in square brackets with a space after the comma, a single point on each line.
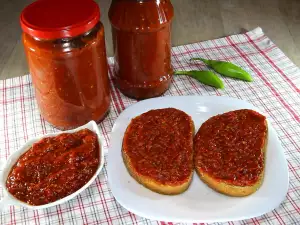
[141, 31]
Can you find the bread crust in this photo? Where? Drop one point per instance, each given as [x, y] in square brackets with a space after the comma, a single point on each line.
[167, 188]
[153, 184]
[229, 189]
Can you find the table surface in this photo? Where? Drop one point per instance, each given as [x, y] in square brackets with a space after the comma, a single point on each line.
[195, 20]
[275, 90]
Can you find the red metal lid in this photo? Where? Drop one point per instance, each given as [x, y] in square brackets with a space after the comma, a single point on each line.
[55, 19]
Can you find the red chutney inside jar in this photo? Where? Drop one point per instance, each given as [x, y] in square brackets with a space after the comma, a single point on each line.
[65, 48]
[141, 31]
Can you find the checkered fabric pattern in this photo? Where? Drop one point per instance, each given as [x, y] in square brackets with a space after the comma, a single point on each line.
[275, 91]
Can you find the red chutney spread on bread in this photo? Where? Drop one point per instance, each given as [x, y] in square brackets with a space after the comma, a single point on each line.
[230, 147]
[159, 145]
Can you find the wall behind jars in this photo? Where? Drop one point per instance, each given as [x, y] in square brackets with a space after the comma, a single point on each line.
[195, 20]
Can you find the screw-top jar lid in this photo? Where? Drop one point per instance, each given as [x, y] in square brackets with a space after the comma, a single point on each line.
[55, 19]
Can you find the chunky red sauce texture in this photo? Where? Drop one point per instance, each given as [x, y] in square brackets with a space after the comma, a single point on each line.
[54, 167]
[141, 32]
[160, 145]
[70, 78]
[229, 147]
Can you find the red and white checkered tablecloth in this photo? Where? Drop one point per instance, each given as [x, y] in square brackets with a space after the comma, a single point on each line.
[275, 90]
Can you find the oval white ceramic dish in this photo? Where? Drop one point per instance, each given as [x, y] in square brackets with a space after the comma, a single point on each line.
[9, 199]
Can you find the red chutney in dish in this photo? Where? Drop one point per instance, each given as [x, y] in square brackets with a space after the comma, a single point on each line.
[160, 145]
[141, 32]
[229, 146]
[55, 167]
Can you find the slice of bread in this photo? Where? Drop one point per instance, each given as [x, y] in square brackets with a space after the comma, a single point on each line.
[230, 152]
[157, 150]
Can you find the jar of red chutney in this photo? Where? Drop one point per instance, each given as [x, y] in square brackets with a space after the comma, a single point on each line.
[141, 31]
[65, 48]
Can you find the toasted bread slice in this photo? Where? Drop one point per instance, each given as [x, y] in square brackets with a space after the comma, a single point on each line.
[157, 150]
[230, 152]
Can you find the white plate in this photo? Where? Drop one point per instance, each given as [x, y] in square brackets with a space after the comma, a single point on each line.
[9, 199]
[199, 203]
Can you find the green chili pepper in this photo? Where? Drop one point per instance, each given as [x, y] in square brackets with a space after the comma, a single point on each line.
[227, 69]
[205, 77]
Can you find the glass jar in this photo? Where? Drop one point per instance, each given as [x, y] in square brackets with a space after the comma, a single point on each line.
[141, 31]
[65, 48]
